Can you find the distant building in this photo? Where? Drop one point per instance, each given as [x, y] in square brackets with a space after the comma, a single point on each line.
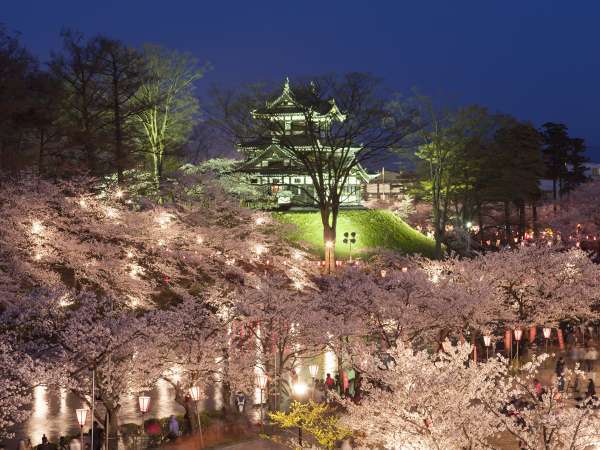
[387, 185]
[592, 170]
[266, 163]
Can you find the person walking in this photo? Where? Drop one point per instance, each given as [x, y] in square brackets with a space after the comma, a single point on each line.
[240, 401]
[173, 428]
[45, 445]
[539, 389]
[329, 382]
[591, 389]
[560, 367]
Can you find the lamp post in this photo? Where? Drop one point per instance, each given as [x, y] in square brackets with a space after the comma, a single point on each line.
[328, 251]
[518, 336]
[350, 238]
[144, 404]
[261, 381]
[468, 230]
[299, 390]
[195, 394]
[81, 414]
[547, 333]
[487, 341]
[314, 371]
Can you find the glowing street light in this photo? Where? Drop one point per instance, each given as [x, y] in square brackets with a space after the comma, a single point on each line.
[299, 391]
[261, 381]
[487, 341]
[144, 404]
[518, 337]
[196, 394]
[547, 333]
[81, 414]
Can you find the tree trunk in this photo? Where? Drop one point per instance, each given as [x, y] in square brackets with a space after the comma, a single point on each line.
[329, 239]
[111, 427]
[554, 194]
[536, 231]
[522, 219]
[118, 131]
[480, 223]
[41, 153]
[508, 230]
[189, 406]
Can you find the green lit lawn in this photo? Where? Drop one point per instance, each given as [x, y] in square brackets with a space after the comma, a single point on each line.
[374, 228]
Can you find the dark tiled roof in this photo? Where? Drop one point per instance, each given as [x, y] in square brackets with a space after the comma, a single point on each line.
[290, 140]
[321, 107]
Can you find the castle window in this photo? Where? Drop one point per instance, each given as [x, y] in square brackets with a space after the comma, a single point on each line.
[254, 180]
[297, 180]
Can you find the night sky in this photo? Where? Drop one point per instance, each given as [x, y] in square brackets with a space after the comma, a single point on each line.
[536, 60]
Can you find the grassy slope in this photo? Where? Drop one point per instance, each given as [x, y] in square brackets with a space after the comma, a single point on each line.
[374, 228]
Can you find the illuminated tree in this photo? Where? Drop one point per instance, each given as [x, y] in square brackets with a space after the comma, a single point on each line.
[316, 420]
[275, 328]
[167, 102]
[17, 379]
[444, 401]
[533, 285]
[578, 216]
[189, 348]
[423, 400]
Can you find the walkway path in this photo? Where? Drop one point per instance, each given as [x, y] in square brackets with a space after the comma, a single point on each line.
[256, 444]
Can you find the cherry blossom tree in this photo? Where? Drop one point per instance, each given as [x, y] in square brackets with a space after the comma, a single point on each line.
[533, 285]
[274, 331]
[548, 420]
[419, 400]
[189, 343]
[71, 235]
[94, 277]
[415, 304]
[578, 213]
[77, 336]
[19, 374]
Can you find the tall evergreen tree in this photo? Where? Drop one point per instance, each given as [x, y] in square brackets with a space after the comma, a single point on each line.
[83, 116]
[519, 167]
[563, 157]
[17, 66]
[123, 73]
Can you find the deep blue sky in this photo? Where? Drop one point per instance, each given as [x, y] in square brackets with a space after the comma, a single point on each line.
[537, 60]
